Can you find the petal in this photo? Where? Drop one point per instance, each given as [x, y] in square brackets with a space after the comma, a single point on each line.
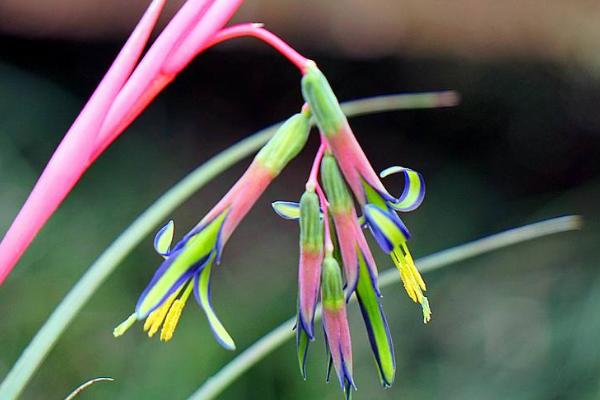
[414, 188]
[309, 278]
[377, 327]
[164, 238]
[302, 342]
[171, 274]
[386, 227]
[346, 230]
[287, 209]
[337, 333]
[367, 256]
[190, 254]
[327, 355]
[202, 294]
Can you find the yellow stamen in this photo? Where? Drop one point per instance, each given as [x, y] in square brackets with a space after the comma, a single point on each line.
[174, 314]
[123, 326]
[156, 317]
[411, 278]
[415, 272]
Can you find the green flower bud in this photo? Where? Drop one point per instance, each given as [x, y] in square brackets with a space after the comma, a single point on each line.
[332, 292]
[287, 142]
[335, 185]
[322, 101]
[311, 223]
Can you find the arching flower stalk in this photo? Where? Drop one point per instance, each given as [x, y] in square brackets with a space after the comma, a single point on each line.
[187, 266]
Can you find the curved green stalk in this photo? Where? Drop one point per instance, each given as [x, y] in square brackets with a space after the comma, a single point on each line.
[63, 315]
[268, 343]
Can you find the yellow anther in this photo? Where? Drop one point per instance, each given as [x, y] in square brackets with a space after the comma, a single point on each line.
[171, 321]
[123, 326]
[413, 268]
[156, 317]
[172, 318]
[411, 278]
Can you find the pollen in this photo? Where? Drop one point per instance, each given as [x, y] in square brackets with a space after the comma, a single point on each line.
[411, 278]
[156, 317]
[172, 317]
[171, 320]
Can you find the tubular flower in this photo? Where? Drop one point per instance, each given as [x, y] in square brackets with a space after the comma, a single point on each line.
[309, 270]
[311, 257]
[349, 246]
[335, 323]
[187, 266]
[356, 253]
[379, 207]
[351, 241]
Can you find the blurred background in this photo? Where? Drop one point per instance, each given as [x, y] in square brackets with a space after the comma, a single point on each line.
[524, 145]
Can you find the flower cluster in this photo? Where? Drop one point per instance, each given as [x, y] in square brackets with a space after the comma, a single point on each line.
[335, 259]
[331, 235]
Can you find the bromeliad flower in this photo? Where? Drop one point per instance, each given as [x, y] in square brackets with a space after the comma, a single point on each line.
[350, 247]
[187, 267]
[356, 253]
[335, 324]
[351, 241]
[311, 257]
[330, 229]
[379, 207]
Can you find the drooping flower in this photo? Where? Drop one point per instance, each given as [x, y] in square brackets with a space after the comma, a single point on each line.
[350, 247]
[379, 207]
[311, 258]
[356, 254]
[308, 213]
[335, 323]
[187, 266]
[351, 241]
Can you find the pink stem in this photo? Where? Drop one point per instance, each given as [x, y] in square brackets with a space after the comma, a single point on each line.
[325, 209]
[70, 159]
[176, 61]
[257, 31]
[119, 99]
[216, 16]
[313, 183]
[312, 179]
[150, 77]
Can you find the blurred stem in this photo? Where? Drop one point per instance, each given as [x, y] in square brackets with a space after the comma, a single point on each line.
[86, 385]
[63, 315]
[268, 343]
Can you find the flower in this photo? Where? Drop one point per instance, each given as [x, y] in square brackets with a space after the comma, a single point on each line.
[350, 247]
[350, 239]
[356, 254]
[379, 207]
[335, 323]
[311, 257]
[187, 267]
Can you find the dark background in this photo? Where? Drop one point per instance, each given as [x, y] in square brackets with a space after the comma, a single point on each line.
[523, 145]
